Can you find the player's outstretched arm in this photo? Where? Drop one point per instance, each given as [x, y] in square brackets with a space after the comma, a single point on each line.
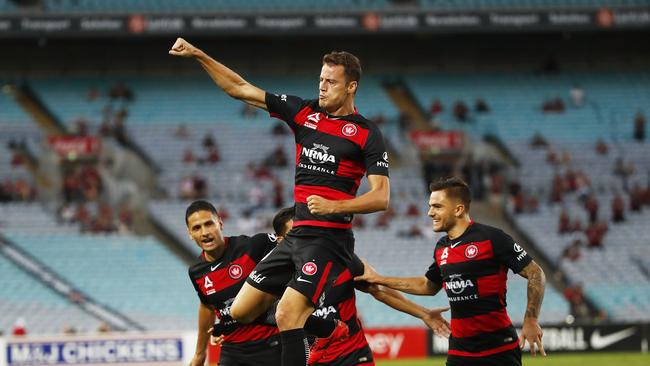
[411, 285]
[206, 319]
[376, 199]
[432, 318]
[228, 80]
[531, 332]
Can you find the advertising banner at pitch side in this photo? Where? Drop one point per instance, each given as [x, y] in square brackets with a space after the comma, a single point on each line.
[577, 338]
[112, 349]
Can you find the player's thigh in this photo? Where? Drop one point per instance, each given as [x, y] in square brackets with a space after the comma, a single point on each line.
[250, 303]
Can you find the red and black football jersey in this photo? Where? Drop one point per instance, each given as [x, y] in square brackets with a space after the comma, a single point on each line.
[473, 270]
[217, 283]
[332, 155]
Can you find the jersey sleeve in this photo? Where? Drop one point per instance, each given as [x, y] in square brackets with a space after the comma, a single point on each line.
[202, 298]
[509, 253]
[375, 154]
[262, 244]
[433, 273]
[284, 107]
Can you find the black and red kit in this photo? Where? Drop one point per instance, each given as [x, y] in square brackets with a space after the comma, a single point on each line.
[333, 153]
[473, 270]
[217, 283]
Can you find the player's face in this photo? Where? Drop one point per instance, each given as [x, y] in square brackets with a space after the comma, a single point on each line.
[333, 90]
[205, 229]
[443, 211]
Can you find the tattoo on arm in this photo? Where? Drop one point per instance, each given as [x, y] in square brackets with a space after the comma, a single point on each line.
[536, 284]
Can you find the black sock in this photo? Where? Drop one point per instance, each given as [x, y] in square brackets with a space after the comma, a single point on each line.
[295, 349]
[321, 328]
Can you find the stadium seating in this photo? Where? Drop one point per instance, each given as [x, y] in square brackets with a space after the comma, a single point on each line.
[130, 274]
[43, 310]
[126, 6]
[611, 101]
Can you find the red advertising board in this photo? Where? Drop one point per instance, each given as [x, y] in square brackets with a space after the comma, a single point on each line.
[78, 146]
[443, 141]
[391, 343]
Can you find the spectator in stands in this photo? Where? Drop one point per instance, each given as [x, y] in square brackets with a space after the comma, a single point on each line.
[636, 198]
[481, 106]
[182, 132]
[578, 308]
[412, 210]
[557, 189]
[248, 111]
[595, 234]
[518, 202]
[277, 158]
[564, 224]
[17, 159]
[436, 107]
[601, 147]
[81, 127]
[213, 156]
[618, 209]
[577, 96]
[555, 105]
[186, 188]
[124, 219]
[188, 156]
[279, 129]
[92, 94]
[66, 213]
[69, 330]
[538, 141]
[208, 141]
[379, 119]
[200, 186]
[532, 203]
[104, 328]
[592, 206]
[576, 226]
[20, 327]
[247, 223]
[639, 127]
[624, 171]
[278, 193]
[572, 251]
[461, 111]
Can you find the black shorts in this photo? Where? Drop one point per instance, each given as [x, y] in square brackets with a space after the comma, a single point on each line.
[507, 358]
[267, 352]
[308, 260]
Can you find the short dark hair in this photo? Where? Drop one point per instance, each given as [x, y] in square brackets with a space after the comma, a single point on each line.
[200, 205]
[281, 218]
[453, 187]
[350, 63]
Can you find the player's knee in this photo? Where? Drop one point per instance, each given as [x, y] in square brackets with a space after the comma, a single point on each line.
[285, 318]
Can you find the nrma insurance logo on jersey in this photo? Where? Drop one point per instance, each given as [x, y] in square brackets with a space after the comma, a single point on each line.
[318, 154]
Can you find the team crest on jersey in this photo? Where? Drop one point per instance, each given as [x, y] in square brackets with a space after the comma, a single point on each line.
[471, 251]
[309, 268]
[235, 271]
[349, 129]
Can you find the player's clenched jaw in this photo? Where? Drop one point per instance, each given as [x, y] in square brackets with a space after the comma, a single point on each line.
[205, 228]
[443, 211]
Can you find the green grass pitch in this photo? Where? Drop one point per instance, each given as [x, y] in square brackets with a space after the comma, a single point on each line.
[557, 359]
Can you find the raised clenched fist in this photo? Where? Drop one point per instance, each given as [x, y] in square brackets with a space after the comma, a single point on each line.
[182, 48]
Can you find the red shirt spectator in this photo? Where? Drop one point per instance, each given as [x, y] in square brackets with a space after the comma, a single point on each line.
[436, 107]
[618, 209]
[564, 226]
[592, 208]
[412, 211]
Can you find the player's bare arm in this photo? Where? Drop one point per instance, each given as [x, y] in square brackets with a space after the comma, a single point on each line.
[376, 199]
[531, 332]
[411, 285]
[228, 80]
[206, 319]
[432, 318]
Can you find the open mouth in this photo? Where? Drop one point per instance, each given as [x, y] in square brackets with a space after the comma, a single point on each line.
[207, 241]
